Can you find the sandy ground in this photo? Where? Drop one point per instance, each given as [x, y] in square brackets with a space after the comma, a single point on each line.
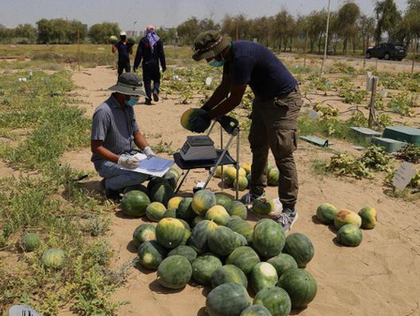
[380, 277]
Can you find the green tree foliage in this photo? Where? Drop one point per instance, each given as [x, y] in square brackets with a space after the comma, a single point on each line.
[412, 18]
[388, 20]
[60, 31]
[346, 21]
[100, 33]
[366, 27]
[188, 30]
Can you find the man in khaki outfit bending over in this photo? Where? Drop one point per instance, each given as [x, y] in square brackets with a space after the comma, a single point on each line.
[274, 111]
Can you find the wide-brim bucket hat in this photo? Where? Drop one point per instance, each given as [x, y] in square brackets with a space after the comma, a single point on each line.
[129, 84]
[209, 44]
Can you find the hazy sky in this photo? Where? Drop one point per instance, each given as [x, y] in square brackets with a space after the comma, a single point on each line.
[165, 13]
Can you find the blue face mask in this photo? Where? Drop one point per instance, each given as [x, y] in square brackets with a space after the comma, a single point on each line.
[132, 101]
[217, 63]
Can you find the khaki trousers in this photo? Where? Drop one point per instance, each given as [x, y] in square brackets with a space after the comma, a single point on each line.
[274, 124]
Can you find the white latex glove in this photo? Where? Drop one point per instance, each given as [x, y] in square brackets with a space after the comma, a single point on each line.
[128, 161]
[149, 152]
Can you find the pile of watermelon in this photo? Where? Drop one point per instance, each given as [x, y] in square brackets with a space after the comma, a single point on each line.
[206, 240]
[231, 177]
[347, 223]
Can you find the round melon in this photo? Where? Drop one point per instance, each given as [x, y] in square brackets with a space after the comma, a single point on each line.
[185, 210]
[283, 262]
[170, 213]
[155, 211]
[263, 275]
[184, 251]
[138, 187]
[230, 174]
[187, 118]
[242, 183]
[273, 177]
[256, 310]
[368, 216]
[143, 233]
[218, 173]
[300, 285]
[241, 227]
[345, 217]
[113, 39]
[54, 259]
[174, 272]
[241, 240]
[134, 203]
[275, 299]
[300, 248]
[263, 206]
[247, 167]
[154, 181]
[151, 254]
[187, 236]
[228, 299]
[224, 201]
[326, 213]
[268, 238]
[162, 192]
[269, 167]
[197, 220]
[202, 201]
[174, 202]
[199, 235]
[203, 268]
[170, 232]
[245, 258]
[30, 241]
[227, 274]
[222, 241]
[218, 214]
[349, 235]
[238, 209]
[172, 178]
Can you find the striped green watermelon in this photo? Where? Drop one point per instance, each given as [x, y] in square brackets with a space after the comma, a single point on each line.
[268, 238]
[349, 235]
[300, 248]
[185, 210]
[241, 182]
[263, 275]
[187, 118]
[326, 213]
[224, 201]
[202, 201]
[134, 203]
[228, 273]
[30, 241]
[275, 299]
[256, 310]
[143, 233]
[273, 177]
[174, 272]
[263, 206]
[222, 241]
[54, 259]
[174, 202]
[239, 209]
[218, 214]
[228, 299]
[203, 268]
[155, 211]
[245, 258]
[242, 227]
[162, 192]
[199, 236]
[170, 232]
[369, 217]
[151, 254]
[184, 251]
[282, 262]
[300, 285]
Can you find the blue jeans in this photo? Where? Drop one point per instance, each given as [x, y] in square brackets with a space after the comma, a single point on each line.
[116, 178]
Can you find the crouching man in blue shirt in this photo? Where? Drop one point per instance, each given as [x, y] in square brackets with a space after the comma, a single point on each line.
[274, 111]
[114, 133]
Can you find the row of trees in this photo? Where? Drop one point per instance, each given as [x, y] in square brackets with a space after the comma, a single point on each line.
[349, 28]
[59, 31]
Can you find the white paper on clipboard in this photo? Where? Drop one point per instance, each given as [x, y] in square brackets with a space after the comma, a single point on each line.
[155, 166]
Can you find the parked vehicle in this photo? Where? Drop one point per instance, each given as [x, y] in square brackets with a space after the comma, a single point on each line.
[387, 51]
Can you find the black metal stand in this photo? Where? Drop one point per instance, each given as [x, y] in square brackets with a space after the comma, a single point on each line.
[230, 125]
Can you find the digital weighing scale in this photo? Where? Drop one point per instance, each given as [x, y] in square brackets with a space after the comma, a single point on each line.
[198, 148]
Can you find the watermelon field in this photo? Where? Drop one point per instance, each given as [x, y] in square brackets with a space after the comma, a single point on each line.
[66, 250]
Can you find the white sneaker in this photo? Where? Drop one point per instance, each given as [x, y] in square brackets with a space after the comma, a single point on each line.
[287, 219]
